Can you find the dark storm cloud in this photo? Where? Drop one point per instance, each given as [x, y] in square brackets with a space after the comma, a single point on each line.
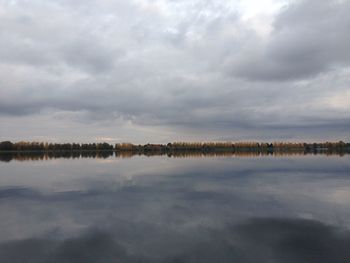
[192, 66]
[308, 37]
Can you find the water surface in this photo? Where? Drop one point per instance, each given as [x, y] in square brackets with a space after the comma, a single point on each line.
[160, 209]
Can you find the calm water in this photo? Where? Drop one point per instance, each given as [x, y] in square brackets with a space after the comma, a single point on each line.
[159, 209]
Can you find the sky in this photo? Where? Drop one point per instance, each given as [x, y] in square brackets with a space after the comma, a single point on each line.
[174, 70]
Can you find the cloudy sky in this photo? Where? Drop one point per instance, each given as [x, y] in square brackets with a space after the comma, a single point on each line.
[169, 70]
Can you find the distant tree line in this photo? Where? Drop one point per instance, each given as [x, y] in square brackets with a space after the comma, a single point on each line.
[37, 156]
[54, 147]
[205, 147]
[23, 151]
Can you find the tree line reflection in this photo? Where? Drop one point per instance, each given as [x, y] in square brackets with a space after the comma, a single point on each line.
[37, 156]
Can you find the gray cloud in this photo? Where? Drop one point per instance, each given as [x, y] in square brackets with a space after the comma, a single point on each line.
[183, 67]
[308, 37]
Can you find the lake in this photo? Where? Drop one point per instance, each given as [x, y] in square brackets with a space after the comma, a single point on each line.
[162, 209]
